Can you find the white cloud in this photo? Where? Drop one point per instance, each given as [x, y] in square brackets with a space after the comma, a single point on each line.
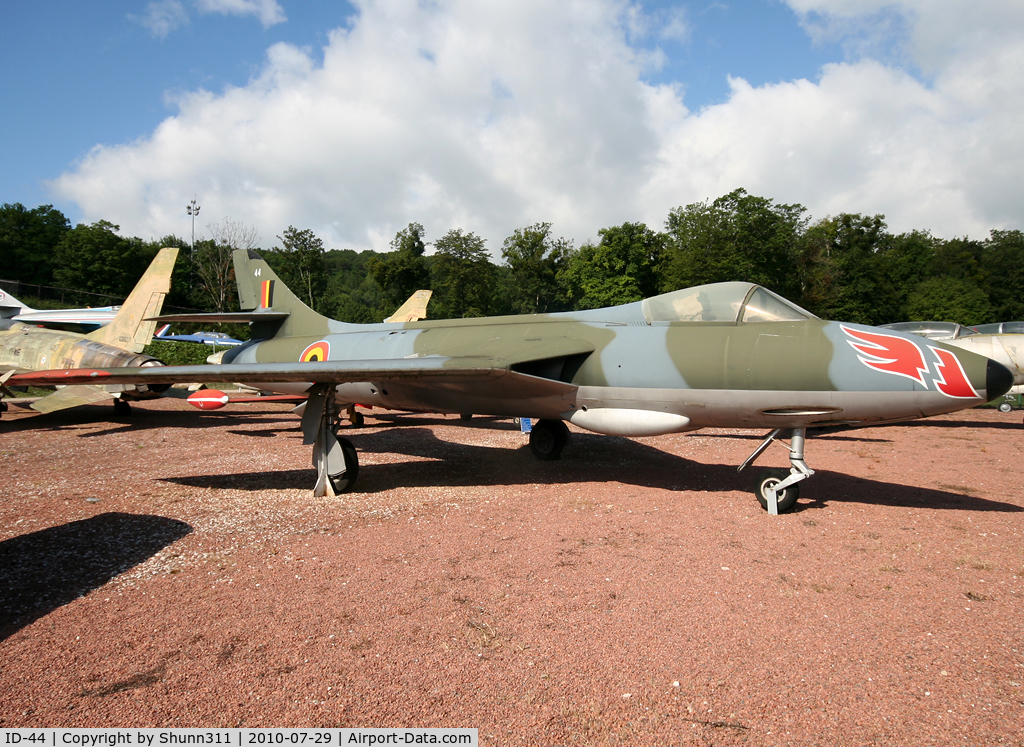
[491, 116]
[162, 17]
[267, 11]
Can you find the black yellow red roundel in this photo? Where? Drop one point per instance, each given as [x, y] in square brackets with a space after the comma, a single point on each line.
[318, 351]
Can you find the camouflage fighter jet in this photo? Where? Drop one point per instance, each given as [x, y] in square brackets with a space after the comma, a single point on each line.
[731, 355]
[25, 347]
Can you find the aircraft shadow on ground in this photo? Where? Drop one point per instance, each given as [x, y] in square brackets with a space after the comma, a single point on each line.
[44, 570]
[587, 458]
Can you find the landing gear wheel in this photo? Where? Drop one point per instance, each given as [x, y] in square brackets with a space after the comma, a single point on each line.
[357, 420]
[466, 416]
[548, 438]
[121, 407]
[786, 498]
[1005, 407]
[344, 482]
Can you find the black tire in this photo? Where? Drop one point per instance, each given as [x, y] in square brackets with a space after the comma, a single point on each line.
[1005, 407]
[357, 420]
[466, 416]
[548, 438]
[347, 479]
[786, 499]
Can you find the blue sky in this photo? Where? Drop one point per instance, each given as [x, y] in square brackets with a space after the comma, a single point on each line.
[810, 101]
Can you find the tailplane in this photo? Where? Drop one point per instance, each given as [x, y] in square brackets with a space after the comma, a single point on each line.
[132, 328]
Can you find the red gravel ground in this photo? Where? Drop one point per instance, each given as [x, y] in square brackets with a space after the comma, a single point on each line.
[173, 569]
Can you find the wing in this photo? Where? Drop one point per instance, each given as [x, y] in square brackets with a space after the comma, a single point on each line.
[480, 375]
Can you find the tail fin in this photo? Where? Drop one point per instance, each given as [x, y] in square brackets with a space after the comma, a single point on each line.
[129, 330]
[11, 306]
[260, 289]
[414, 309]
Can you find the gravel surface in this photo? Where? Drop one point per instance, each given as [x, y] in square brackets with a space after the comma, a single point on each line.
[172, 568]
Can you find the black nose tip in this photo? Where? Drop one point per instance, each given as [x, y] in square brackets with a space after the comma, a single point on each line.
[998, 379]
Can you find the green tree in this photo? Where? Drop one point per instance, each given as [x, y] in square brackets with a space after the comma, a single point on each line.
[946, 299]
[1004, 274]
[535, 259]
[842, 270]
[302, 264]
[96, 259]
[403, 270]
[620, 268]
[737, 237]
[28, 239]
[213, 264]
[906, 260]
[463, 278]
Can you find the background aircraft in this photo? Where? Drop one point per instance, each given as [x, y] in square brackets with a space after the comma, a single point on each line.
[24, 347]
[1006, 347]
[204, 338]
[725, 355]
[75, 320]
[1000, 328]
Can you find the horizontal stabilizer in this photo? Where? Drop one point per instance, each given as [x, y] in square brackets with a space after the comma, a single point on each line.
[71, 396]
[229, 317]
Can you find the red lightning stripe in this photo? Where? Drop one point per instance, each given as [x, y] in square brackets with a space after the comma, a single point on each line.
[889, 354]
[952, 380]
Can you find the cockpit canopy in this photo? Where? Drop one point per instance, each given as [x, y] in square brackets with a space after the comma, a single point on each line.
[933, 330]
[723, 302]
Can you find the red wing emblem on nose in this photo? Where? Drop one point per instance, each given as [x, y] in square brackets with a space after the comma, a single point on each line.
[951, 381]
[889, 354]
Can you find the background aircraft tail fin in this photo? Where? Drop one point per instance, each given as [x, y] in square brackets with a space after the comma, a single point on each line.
[261, 290]
[414, 309]
[129, 330]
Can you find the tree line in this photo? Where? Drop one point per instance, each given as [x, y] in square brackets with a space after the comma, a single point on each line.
[847, 267]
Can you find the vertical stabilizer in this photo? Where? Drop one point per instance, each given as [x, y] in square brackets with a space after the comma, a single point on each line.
[128, 330]
[259, 289]
[414, 309]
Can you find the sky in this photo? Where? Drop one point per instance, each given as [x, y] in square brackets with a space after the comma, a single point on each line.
[354, 119]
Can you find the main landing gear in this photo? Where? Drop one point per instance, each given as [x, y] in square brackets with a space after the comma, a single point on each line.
[777, 490]
[548, 438]
[334, 458]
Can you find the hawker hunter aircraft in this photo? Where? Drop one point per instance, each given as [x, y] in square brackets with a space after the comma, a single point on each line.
[25, 347]
[731, 355]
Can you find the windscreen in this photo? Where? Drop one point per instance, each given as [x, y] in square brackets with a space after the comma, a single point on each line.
[765, 306]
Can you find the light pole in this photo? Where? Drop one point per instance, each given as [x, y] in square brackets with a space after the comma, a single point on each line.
[193, 209]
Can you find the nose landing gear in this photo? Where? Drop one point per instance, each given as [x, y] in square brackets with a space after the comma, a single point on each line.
[777, 491]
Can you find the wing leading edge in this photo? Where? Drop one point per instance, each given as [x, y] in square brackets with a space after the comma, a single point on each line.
[439, 370]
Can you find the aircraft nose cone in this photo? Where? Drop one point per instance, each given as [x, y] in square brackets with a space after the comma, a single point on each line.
[998, 379]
